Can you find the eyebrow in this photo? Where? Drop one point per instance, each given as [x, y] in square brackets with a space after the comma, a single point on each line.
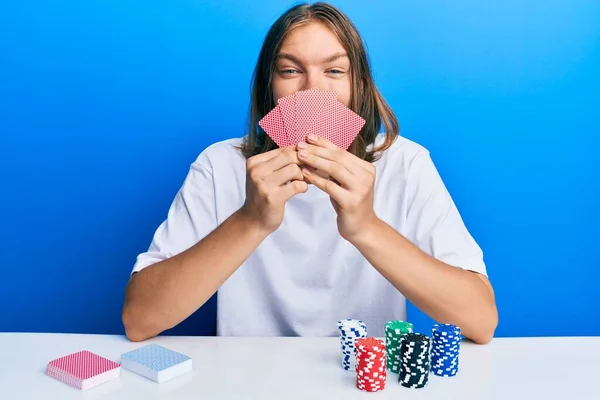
[331, 58]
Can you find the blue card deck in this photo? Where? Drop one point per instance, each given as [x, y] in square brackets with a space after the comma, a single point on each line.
[156, 362]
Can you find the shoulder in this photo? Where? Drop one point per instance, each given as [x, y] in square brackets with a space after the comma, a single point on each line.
[403, 156]
[224, 153]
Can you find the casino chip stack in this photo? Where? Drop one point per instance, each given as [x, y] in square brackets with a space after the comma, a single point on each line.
[446, 347]
[394, 330]
[415, 351]
[350, 330]
[370, 364]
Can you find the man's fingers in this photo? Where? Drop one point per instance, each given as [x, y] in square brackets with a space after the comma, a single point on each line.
[332, 168]
[262, 171]
[330, 187]
[280, 169]
[288, 156]
[351, 162]
[291, 189]
[263, 157]
[288, 173]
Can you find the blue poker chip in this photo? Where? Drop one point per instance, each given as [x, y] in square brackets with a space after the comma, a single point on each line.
[446, 329]
[444, 372]
[446, 339]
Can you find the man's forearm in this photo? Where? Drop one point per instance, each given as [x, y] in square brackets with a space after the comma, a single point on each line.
[162, 295]
[445, 293]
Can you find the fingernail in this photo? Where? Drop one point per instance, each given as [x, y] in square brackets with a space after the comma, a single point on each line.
[305, 171]
[302, 145]
[312, 138]
[303, 153]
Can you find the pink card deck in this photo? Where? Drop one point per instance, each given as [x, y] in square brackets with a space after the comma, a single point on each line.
[83, 370]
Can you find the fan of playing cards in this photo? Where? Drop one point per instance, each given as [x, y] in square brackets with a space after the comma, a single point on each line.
[312, 112]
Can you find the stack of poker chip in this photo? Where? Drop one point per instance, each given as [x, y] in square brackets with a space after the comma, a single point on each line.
[371, 370]
[446, 347]
[394, 330]
[349, 331]
[415, 353]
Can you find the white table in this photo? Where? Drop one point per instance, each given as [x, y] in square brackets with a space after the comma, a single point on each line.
[304, 368]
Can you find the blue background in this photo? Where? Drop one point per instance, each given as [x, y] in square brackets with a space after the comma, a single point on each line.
[104, 105]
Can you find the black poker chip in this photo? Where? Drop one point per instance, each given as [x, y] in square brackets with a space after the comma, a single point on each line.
[415, 360]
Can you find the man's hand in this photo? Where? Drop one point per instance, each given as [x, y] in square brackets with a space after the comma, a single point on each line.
[272, 178]
[350, 183]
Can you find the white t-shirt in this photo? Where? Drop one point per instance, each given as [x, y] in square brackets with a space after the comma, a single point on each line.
[305, 277]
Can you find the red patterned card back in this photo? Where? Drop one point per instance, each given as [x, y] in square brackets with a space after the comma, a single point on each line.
[346, 126]
[83, 364]
[287, 105]
[310, 104]
[273, 125]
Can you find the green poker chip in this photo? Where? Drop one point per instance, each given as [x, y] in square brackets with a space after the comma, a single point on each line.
[394, 332]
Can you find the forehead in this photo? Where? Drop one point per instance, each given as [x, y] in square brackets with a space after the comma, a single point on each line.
[311, 42]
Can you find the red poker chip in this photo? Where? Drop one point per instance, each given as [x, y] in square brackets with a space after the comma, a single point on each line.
[369, 368]
[364, 361]
[373, 375]
[371, 384]
[371, 388]
[375, 379]
[368, 364]
[371, 372]
[377, 383]
[360, 357]
[372, 379]
[366, 368]
[370, 343]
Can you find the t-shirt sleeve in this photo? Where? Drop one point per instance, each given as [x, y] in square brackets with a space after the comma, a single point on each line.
[190, 218]
[435, 225]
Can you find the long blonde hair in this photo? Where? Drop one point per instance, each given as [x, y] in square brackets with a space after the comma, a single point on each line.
[370, 105]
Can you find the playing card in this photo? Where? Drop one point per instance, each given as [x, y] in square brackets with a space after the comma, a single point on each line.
[309, 105]
[83, 370]
[345, 125]
[324, 121]
[324, 125]
[287, 105]
[273, 125]
[156, 362]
